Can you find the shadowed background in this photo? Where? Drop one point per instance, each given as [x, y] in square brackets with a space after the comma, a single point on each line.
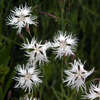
[81, 17]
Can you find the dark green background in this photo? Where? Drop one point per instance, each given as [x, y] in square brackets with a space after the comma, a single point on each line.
[82, 17]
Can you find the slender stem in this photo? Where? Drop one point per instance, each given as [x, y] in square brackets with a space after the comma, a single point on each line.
[46, 13]
[9, 95]
[28, 30]
[21, 36]
[99, 98]
[62, 70]
[62, 67]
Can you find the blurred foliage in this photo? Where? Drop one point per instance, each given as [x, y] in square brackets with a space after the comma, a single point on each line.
[81, 17]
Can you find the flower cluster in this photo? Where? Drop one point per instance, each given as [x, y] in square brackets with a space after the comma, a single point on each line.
[63, 45]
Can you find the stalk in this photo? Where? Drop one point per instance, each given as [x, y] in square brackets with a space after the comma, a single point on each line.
[62, 65]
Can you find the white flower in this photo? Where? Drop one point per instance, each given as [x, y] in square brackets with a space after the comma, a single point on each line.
[94, 92]
[64, 44]
[77, 75]
[21, 17]
[29, 98]
[27, 76]
[38, 50]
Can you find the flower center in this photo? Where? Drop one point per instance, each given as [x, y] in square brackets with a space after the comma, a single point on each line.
[79, 74]
[28, 76]
[21, 18]
[37, 49]
[62, 44]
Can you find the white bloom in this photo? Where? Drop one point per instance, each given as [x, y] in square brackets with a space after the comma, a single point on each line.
[29, 98]
[64, 44]
[21, 17]
[94, 92]
[77, 75]
[27, 76]
[38, 50]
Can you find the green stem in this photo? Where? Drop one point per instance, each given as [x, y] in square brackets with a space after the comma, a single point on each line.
[62, 67]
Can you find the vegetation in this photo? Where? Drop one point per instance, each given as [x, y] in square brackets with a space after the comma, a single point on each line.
[81, 17]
